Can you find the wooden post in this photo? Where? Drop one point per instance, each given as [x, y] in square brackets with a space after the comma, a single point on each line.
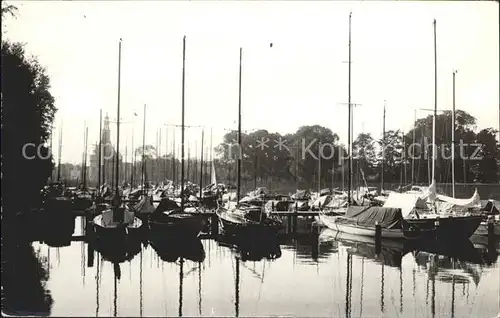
[90, 253]
[214, 223]
[272, 206]
[491, 237]
[315, 241]
[294, 222]
[378, 237]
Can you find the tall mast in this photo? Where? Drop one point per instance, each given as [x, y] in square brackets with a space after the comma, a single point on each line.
[453, 140]
[166, 151]
[59, 154]
[319, 168]
[174, 173]
[156, 160]
[239, 132]
[383, 151]
[413, 143]
[349, 185]
[158, 156]
[435, 109]
[85, 158]
[51, 152]
[201, 161]
[118, 118]
[182, 121]
[211, 158]
[143, 165]
[99, 152]
[132, 173]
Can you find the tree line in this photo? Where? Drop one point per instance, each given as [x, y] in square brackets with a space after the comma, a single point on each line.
[314, 154]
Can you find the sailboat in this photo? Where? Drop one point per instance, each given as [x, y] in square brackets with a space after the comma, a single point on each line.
[117, 222]
[244, 221]
[170, 218]
[212, 194]
[363, 220]
[416, 213]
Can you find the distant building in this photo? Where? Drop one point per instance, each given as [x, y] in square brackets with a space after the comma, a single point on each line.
[75, 173]
[108, 154]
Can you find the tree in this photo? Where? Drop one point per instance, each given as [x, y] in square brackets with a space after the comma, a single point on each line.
[486, 166]
[364, 152]
[27, 116]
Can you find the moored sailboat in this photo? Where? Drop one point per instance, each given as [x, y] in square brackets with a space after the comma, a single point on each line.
[169, 218]
[118, 222]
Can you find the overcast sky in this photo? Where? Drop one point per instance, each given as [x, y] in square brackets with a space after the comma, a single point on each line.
[301, 80]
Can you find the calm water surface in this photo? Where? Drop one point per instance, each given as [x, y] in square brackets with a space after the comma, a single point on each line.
[338, 276]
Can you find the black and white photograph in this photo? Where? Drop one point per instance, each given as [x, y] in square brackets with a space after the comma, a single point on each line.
[234, 158]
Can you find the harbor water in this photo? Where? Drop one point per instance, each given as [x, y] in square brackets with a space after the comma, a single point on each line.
[331, 276]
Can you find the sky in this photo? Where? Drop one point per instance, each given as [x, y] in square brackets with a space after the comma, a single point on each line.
[301, 80]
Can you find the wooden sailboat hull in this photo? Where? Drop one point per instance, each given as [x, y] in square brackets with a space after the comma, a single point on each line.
[118, 232]
[461, 227]
[483, 228]
[232, 227]
[333, 223]
[185, 224]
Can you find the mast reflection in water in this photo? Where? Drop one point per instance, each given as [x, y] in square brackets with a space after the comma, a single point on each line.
[337, 275]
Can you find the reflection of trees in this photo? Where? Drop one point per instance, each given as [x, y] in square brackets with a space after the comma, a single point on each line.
[23, 281]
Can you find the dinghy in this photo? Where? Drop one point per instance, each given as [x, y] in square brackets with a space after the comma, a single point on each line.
[248, 221]
[169, 219]
[117, 222]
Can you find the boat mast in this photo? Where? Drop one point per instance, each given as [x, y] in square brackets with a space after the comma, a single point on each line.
[118, 118]
[85, 157]
[166, 153]
[201, 161]
[319, 169]
[435, 109]
[174, 173]
[349, 185]
[132, 155]
[59, 154]
[413, 143]
[211, 158]
[453, 140]
[239, 133]
[383, 151]
[182, 121]
[143, 165]
[99, 152]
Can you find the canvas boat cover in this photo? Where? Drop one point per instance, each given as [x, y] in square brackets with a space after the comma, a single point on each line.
[407, 202]
[258, 192]
[389, 218]
[278, 205]
[322, 201]
[107, 217]
[324, 192]
[166, 204]
[490, 208]
[473, 202]
[145, 206]
[301, 195]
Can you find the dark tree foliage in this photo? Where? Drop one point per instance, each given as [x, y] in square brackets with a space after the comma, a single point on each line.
[298, 160]
[27, 115]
